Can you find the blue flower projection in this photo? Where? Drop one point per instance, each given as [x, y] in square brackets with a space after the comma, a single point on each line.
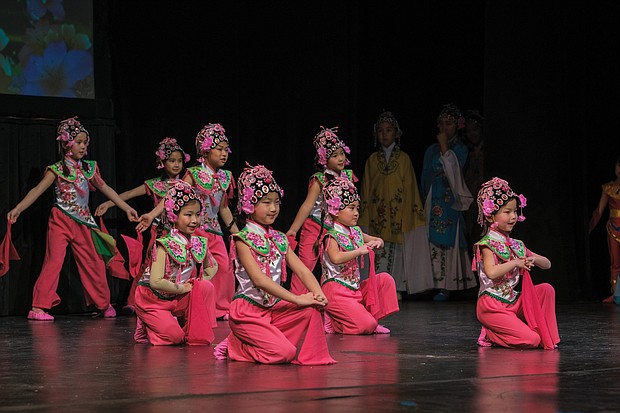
[51, 55]
[57, 71]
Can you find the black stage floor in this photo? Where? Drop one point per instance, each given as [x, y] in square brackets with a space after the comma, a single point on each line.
[430, 363]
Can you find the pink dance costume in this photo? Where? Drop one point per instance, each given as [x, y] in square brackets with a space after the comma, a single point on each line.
[354, 307]
[511, 318]
[156, 189]
[213, 188]
[311, 227]
[264, 328]
[158, 311]
[71, 223]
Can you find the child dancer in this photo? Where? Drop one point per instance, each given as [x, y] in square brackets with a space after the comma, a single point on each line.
[446, 197]
[169, 287]
[268, 323]
[611, 196]
[170, 157]
[392, 209]
[354, 307]
[71, 223]
[214, 186]
[330, 160]
[509, 318]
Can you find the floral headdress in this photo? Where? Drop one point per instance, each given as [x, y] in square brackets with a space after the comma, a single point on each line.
[451, 112]
[338, 193]
[493, 195]
[68, 130]
[254, 183]
[387, 116]
[474, 115]
[326, 142]
[209, 137]
[165, 149]
[179, 194]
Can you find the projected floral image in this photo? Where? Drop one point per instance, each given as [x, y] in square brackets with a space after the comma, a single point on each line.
[46, 48]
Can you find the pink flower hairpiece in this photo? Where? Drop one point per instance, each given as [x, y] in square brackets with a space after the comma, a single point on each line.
[487, 207]
[322, 153]
[169, 205]
[246, 201]
[333, 206]
[64, 136]
[206, 144]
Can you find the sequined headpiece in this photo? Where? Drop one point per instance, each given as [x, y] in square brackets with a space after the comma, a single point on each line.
[179, 194]
[451, 112]
[254, 183]
[165, 149]
[326, 142]
[338, 193]
[209, 137]
[68, 130]
[493, 195]
[474, 116]
[386, 116]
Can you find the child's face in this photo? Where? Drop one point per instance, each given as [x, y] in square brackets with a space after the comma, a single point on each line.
[217, 157]
[174, 164]
[349, 215]
[386, 134]
[447, 126]
[506, 217]
[337, 160]
[473, 131]
[78, 149]
[189, 218]
[266, 209]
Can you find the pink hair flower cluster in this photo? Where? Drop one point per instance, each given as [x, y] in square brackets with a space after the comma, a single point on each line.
[169, 205]
[333, 205]
[322, 154]
[522, 201]
[246, 201]
[487, 207]
[206, 144]
[64, 136]
[160, 155]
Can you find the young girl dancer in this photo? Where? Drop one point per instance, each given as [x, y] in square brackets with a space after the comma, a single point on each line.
[354, 307]
[214, 186]
[509, 318]
[392, 209]
[169, 288]
[269, 324]
[330, 160]
[611, 196]
[71, 223]
[170, 157]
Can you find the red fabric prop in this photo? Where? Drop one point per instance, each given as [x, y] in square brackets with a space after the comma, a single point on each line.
[371, 297]
[7, 251]
[117, 264]
[198, 317]
[134, 250]
[533, 312]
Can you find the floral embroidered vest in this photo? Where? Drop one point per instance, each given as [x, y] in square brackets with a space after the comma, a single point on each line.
[268, 248]
[347, 274]
[504, 249]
